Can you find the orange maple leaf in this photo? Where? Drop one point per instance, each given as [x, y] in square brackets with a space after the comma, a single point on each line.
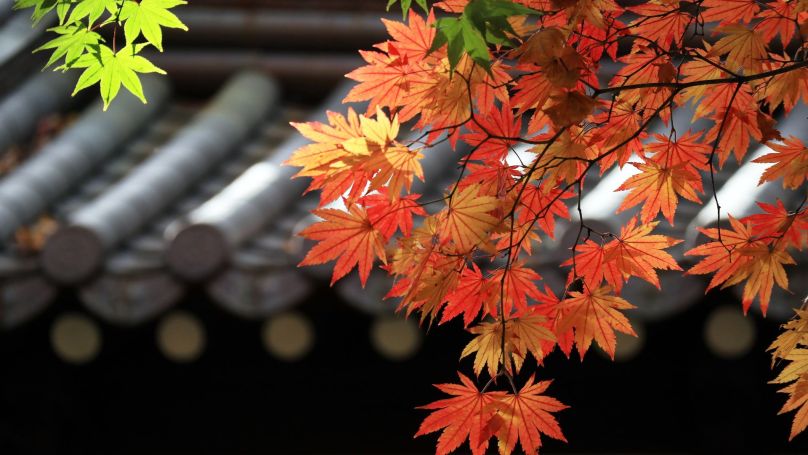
[466, 415]
[526, 334]
[763, 269]
[589, 264]
[467, 220]
[526, 415]
[531, 334]
[740, 256]
[637, 252]
[349, 237]
[388, 214]
[594, 315]
[327, 153]
[729, 11]
[798, 399]
[742, 46]
[517, 284]
[657, 187]
[663, 23]
[781, 225]
[687, 148]
[722, 257]
[789, 160]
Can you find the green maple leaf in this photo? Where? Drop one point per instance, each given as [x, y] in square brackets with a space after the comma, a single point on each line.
[72, 42]
[41, 7]
[147, 18]
[112, 69]
[406, 5]
[92, 10]
[482, 22]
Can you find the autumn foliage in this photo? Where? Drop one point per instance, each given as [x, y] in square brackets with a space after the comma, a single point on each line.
[576, 83]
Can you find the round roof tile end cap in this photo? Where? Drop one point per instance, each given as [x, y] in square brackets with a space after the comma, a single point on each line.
[197, 252]
[73, 255]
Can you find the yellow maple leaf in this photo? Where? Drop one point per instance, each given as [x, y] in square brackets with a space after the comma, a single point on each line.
[523, 335]
[761, 272]
[466, 221]
[743, 46]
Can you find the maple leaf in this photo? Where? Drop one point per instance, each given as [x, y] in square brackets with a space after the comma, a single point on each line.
[384, 81]
[795, 333]
[687, 149]
[412, 40]
[550, 307]
[466, 221]
[499, 123]
[387, 78]
[452, 6]
[642, 67]
[742, 46]
[388, 214]
[348, 237]
[562, 160]
[661, 22]
[464, 416]
[789, 160]
[763, 269]
[657, 187]
[516, 240]
[787, 347]
[530, 334]
[488, 345]
[780, 225]
[787, 89]
[523, 335]
[469, 297]
[699, 69]
[73, 41]
[798, 399]
[544, 207]
[395, 168]
[112, 69]
[779, 19]
[797, 366]
[590, 265]
[92, 10]
[569, 108]
[722, 257]
[637, 252]
[353, 149]
[526, 415]
[517, 284]
[147, 17]
[561, 64]
[737, 124]
[594, 315]
[531, 91]
[327, 154]
[619, 126]
[739, 256]
[729, 11]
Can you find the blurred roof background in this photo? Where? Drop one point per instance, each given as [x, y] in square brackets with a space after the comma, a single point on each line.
[149, 299]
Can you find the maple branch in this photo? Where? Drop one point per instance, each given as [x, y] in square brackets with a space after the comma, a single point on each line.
[683, 85]
[711, 159]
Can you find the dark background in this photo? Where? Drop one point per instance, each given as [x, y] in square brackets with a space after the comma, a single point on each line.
[675, 396]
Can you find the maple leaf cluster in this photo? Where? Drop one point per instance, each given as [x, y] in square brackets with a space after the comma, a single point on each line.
[575, 84]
